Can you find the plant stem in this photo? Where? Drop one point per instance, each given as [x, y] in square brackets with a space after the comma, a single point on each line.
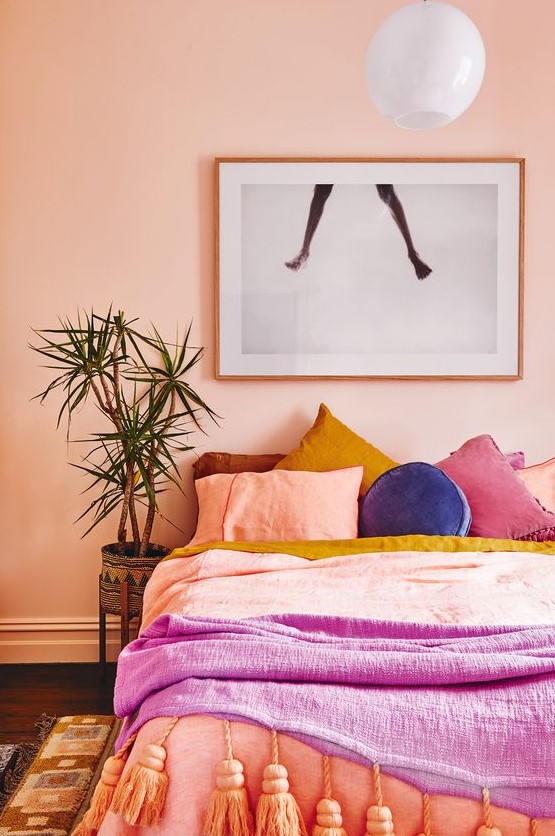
[149, 522]
[105, 407]
[115, 368]
[108, 408]
[128, 504]
[112, 412]
[132, 512]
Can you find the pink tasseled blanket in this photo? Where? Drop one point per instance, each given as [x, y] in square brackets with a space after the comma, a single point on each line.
[451, 709]
[471, 588]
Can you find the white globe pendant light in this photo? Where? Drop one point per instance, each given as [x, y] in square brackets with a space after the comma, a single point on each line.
[425, 65]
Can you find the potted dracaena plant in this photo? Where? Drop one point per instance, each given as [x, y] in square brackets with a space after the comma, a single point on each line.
[138, 382]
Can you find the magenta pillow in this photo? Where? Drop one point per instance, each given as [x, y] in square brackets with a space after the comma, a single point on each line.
[516, 460]
[500, 503]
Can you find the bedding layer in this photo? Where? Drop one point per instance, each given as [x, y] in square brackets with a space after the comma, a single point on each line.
[414, 587]
[439, 587]
[421, 700]
[197, 744]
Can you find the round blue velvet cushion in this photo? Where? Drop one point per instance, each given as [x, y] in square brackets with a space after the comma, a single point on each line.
[414, 498]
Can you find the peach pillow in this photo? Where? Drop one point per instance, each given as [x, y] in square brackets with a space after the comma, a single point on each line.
[329, 444]
[278, 505]
[540, 481]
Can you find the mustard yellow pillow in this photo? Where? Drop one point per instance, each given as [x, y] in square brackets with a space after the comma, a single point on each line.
[331, 445]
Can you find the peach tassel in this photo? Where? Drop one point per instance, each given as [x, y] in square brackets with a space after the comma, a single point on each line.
[277, 813]
[427, 815]
[104, 791]
[228, 812]
[379, 821]
[487, 829]
[140, 796]
[329, 821]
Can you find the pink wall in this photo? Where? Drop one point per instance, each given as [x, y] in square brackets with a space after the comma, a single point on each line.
[110, 117]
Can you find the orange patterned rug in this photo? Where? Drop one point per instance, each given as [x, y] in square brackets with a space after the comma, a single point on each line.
[55, 791]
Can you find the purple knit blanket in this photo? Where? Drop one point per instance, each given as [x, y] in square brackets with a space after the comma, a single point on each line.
[448, 708]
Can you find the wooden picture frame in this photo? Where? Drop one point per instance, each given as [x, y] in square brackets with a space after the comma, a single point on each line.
[369, 268]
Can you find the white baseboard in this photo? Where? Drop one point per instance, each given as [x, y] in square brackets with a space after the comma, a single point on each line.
[26, 640]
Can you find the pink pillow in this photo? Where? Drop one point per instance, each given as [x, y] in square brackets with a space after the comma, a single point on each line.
[278, 505]
[500, 503]
[540, 481]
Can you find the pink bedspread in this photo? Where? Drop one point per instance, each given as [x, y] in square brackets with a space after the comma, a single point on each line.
[436, 587]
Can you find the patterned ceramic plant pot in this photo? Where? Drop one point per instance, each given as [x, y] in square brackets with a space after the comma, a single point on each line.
[124, 567]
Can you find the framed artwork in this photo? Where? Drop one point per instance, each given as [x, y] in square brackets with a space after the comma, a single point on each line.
[370, 268]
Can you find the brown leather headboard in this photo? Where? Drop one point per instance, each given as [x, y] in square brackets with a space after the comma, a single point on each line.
[210, 463]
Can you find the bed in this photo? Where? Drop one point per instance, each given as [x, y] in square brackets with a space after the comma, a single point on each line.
[387, 684]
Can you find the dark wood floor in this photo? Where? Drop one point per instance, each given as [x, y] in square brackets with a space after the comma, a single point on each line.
[27, 691]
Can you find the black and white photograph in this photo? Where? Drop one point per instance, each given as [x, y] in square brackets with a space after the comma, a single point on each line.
[350, 268]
